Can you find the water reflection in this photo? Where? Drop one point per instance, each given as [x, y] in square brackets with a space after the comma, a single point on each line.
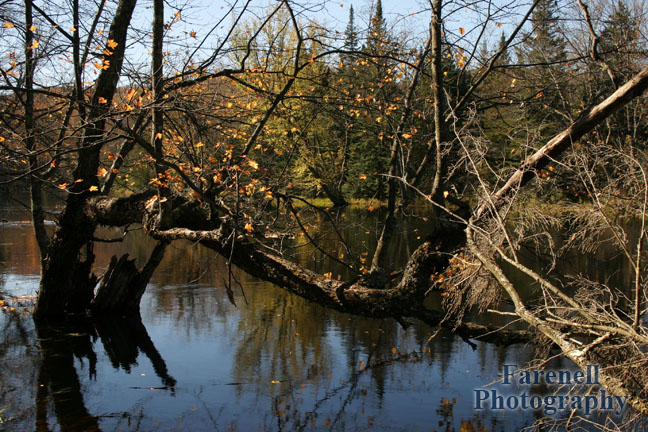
[196, 362]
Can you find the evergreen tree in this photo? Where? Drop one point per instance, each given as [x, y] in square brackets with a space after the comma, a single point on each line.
[543, 85]
[350, 33]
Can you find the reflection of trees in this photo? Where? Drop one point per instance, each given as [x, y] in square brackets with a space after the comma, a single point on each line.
[282, 338]
[49, 367]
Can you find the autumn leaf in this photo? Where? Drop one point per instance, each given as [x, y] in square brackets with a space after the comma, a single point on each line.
[72, 29]
[539, 95]
[130, 94]
[93, 188]
[7, 24]
[102, 172]
[363, 177]
[32, 28]
[192, 34]
[248, 227]
[370, 208]
[111, 156]
[253, 164]
[274, 382]
[462, 30]
[112, 44]
[62, 186]
[102, 100]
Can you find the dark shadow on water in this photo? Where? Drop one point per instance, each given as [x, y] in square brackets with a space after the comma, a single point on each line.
[59, 385]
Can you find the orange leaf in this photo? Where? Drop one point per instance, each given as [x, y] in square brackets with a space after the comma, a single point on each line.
[7, 24]
[102, 100]
[62, 186]
[112, 44]
[462, 30]
[248, 227]
[93, 188]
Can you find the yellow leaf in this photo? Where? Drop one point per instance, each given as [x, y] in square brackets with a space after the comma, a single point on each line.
[32, 28]
[328, 275]
[248, 227]
[7, 24]
[363, 177]
[274, 382]
[158, 135]
[93, 189]
[253, 164]
[102, 172]
[445, 194]
[72, 29]
[112, 44]
[62, 186]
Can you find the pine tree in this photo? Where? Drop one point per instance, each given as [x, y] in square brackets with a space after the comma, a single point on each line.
[543, 85]
[350, 33]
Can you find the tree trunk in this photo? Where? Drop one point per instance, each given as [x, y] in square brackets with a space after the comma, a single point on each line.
[67, 283]
[123, 285]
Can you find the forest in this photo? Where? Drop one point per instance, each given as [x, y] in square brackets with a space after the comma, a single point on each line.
[509, 128]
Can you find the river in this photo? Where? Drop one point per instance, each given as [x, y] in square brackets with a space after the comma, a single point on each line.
[197, 362]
